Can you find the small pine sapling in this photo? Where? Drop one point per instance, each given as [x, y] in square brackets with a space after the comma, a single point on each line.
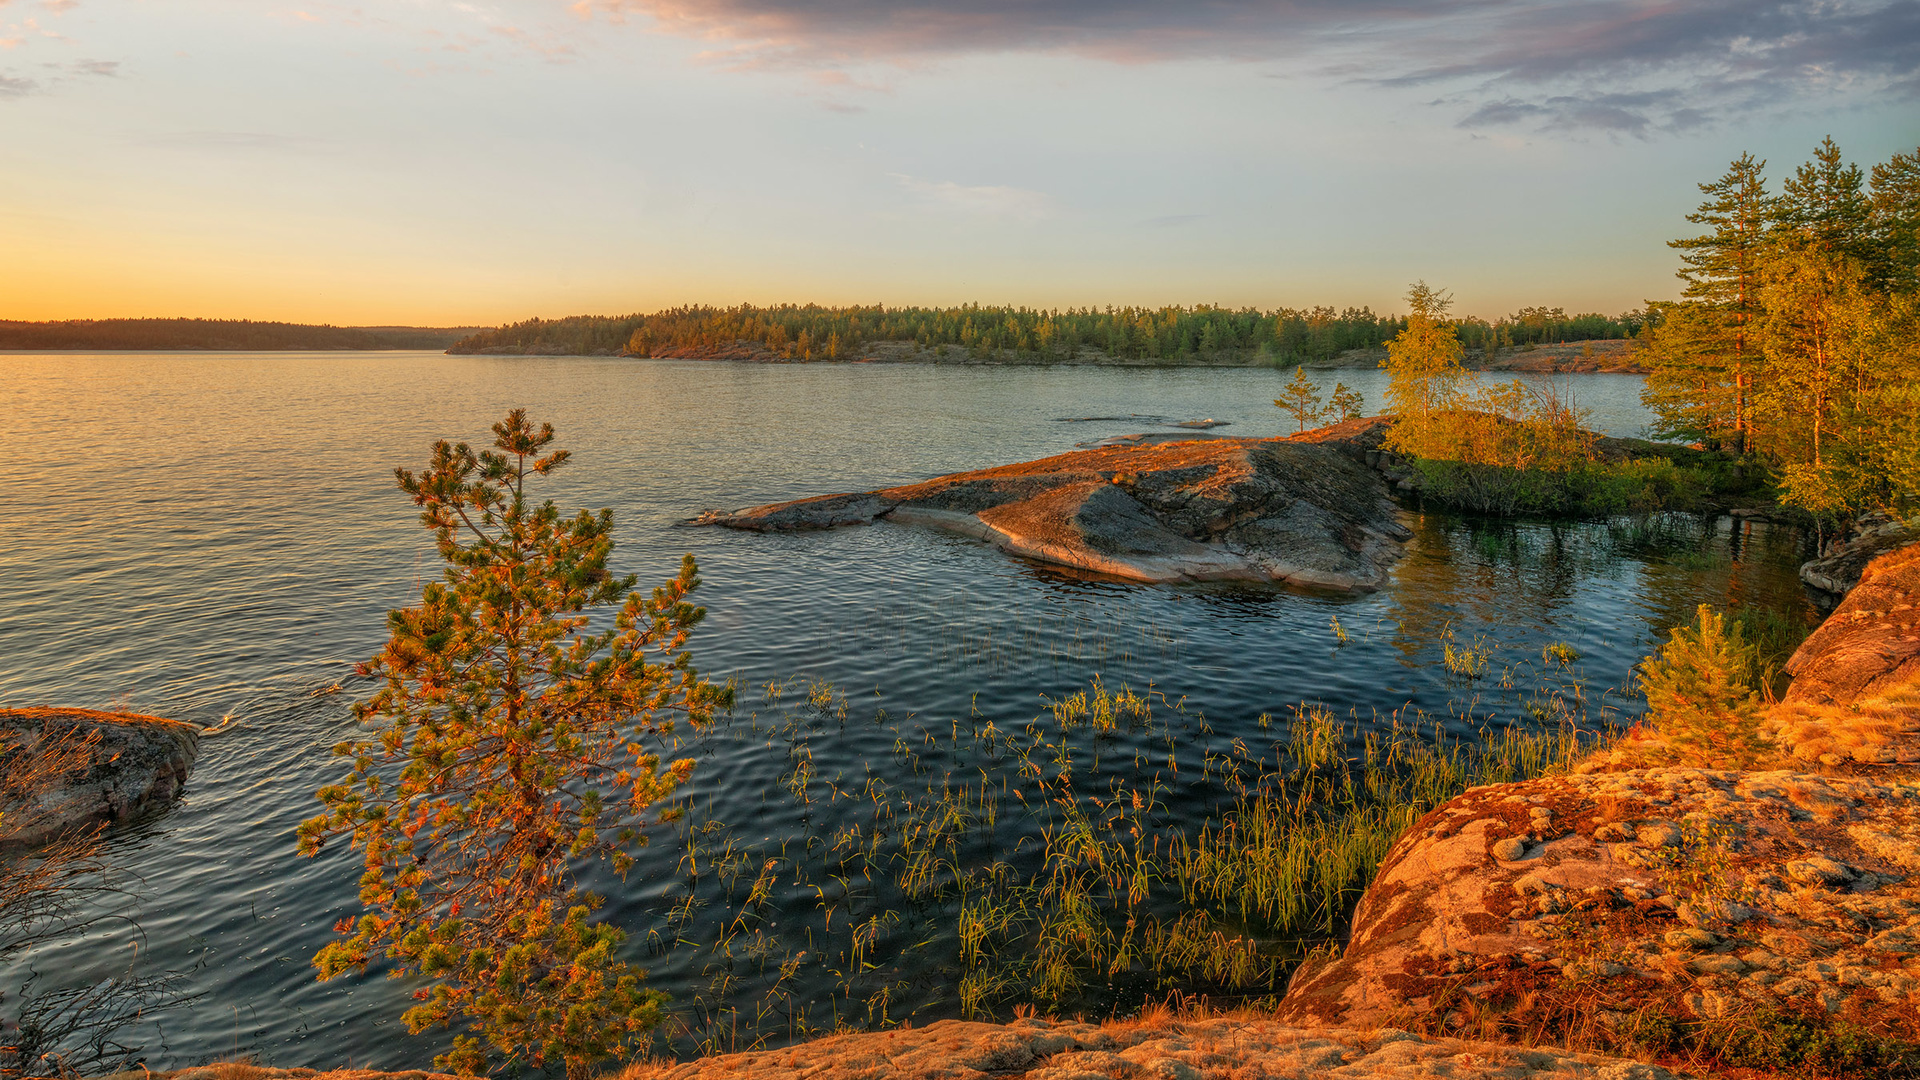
[1699, 701]
[1348, 403]
[511, 743]
[1301, 398]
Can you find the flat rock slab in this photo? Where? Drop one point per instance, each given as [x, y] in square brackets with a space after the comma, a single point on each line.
[1833, 576]
[1034, 1049]
[99, 767]
[1306, 511]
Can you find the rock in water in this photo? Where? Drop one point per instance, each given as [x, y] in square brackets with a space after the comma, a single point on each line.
[1306, 512]
[70, 768]
[1834, 575]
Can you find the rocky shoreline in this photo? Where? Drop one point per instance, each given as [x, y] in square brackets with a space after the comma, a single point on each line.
[1585, 909]
[1306, 511]
[1589, 909]
[1158, 1046]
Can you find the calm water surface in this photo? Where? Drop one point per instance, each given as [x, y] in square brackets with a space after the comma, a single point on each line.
[211, 536]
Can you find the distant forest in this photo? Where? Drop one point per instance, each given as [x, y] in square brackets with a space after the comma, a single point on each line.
[219, 334]
[1173, 334]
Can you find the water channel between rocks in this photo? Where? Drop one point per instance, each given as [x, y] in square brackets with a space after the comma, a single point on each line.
[208, 536]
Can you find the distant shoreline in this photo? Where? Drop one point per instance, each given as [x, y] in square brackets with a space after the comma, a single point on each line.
[1606, 358]
[1602, 357]
[219, 335]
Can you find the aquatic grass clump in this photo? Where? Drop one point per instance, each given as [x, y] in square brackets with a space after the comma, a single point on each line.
[1100, 708]
[1559, 652]
[1465, 661]
[1772, 636]
[1296, 849]
[1112, 848]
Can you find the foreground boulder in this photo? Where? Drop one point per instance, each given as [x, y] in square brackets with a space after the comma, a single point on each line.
[1155, 1048]
[1612, 898]
[1298, 511]
[66, 769]
[1871, 643]
[1626, 900]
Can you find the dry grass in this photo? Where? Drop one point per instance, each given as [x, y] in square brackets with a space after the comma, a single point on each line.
[1809, 733]
[1798, 735]
[44, 713]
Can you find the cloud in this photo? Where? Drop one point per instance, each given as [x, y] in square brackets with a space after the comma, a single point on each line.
[1555, 64]
[12, 87]
[107, 68]
[993, 201]
[555, 51]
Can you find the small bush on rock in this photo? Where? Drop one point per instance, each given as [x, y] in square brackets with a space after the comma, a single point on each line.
[1700, 700]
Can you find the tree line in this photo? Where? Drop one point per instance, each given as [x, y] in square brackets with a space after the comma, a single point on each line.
[1796, 340]
[1170, 333]
[218, 334]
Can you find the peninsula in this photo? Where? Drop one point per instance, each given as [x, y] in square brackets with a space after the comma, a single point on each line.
[1304, 511]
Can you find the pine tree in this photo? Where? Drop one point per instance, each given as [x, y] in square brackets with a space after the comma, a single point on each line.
[1825, 203]
[1425, 375]
[1704, 355]
[1896, 221]
[1699, 698]
[1348, 403]
[513, 743]
[1301, 398]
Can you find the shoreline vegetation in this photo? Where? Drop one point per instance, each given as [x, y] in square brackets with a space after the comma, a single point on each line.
[1534, 338]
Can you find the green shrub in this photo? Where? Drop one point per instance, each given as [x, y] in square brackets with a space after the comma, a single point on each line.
[1700, 695]
[1585, 489]
[1803, 1044]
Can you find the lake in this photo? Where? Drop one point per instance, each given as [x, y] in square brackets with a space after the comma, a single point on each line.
[218, 536]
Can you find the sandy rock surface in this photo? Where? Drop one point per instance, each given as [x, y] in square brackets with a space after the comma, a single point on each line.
[113, 767]
[1214, 1049]
[1307, 512]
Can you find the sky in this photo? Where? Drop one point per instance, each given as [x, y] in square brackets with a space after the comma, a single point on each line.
[431, 162]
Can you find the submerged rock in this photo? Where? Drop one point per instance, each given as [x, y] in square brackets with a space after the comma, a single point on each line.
[71, 768]
[1306, 511]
